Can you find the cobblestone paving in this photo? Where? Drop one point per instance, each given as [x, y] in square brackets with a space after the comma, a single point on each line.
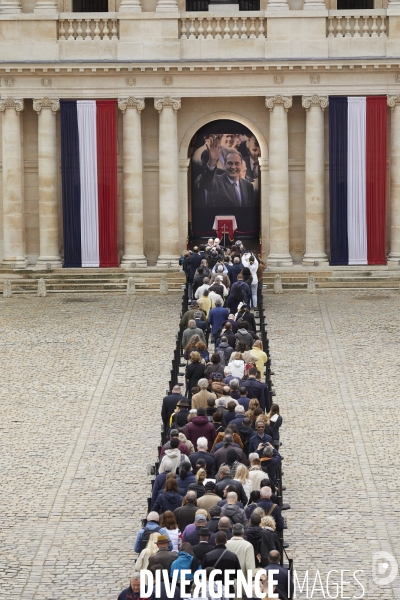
[336, 361]
[77, 374]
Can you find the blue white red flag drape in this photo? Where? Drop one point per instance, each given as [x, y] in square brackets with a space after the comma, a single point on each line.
[89, 182]
[357, 179]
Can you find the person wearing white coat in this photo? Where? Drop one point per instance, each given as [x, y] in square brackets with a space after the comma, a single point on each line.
[250, 261]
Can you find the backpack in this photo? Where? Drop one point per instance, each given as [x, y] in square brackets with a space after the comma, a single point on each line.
[223, 356]
[146, 536]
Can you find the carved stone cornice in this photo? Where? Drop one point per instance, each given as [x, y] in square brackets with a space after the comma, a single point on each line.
[131, 102]
[52, 103]
[286, 101]
[16, 103]
[314, 100]
[393, 101]
[160, 103]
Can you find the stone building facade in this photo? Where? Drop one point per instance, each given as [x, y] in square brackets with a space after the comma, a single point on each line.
[173, 71]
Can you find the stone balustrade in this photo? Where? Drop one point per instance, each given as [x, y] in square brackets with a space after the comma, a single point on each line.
[84, 26]
[202, 26]
[357, 24]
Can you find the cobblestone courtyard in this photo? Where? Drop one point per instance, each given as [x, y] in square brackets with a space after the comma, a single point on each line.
[81, 384]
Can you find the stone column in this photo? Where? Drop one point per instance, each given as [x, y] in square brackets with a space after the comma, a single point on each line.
[315, 171]
[133, 182]
[10, 6]
[314, 5]
[130, 6]
[48, 171]
[170, 242]
[277, 5]
[13, 190]
[279, 181]
[46, 7]
[394, 254]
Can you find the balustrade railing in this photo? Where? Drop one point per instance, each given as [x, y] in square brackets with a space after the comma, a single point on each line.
[195, 27]
[86, 27]
[359, 24]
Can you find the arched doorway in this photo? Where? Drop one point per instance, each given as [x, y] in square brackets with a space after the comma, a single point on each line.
[225, 180]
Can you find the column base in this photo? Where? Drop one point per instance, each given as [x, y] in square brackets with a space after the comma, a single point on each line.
[19, 262]
[45, 7]
[164, 259]
[130, 6]
[42, 261]
[285, 259]
[128, 259]
[309, 258]
[393, 259]
[11, 7]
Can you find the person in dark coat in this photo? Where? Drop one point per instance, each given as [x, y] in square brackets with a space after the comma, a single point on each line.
[229, 561]
[200, 426]
[163, 556]
[285, 582]
[194, 371]
[253, 535]
[186, 477]
[268, 507]
[217, 316]
[193, 263]
[206, 456]
[159, 482]
[215, 514]
[203, 546]
[270, 462]
[185, 514]
[246, 315]
[260, 439]
[169, 404]
[180, 416]
[225, 480]
[133, 591]
[254, 388]
[221, 454]
[236, 268]
[169, 499]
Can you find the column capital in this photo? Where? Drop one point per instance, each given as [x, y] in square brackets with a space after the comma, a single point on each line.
[160, 103]
[393, 101]
[272, 101]
[131, 102]
[315, 100]
[52, 103]
[16, 103]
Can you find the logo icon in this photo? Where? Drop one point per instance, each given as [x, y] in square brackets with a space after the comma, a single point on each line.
[384, 568]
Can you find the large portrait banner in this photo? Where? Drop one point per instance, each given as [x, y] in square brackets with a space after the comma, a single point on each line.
[225, 179]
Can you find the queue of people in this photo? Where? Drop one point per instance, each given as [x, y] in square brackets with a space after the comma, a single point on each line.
[214, 502]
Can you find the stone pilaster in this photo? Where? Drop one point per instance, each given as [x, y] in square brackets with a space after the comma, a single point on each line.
[130, 6]
[10, 7]
[278, 5]
[133, 182]
[279, 181]
[394, 254]
[47, 109]
[13, 191]
[170, 242]
[314, 5]
[46, 7]
[315, 168]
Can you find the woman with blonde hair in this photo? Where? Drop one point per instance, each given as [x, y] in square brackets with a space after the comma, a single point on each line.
[269, 539]
[198, 487]
[242, 475]
[261, 357]
[142, 561]
[253, 404]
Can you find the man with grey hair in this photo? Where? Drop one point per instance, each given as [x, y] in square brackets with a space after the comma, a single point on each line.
[218, 287]
[202, 453]
[239, 416]
[270, 462]
[233, 511]
[199, 400]
[221, 406]
[234, 389]
[152, 526]
[201, 288]
[270, 508]
[243, 550]
[190, 332]
[133, 591]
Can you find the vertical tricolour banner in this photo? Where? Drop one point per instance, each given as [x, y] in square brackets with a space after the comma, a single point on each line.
[89, 182]
[357, 180]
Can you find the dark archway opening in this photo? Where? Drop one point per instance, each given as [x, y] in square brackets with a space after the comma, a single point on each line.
[225, 179]
[355, 4]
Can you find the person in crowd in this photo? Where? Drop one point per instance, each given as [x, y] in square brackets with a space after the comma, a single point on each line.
[189, 314]
[225, 480]
[262, 358]
[152, 526]
[270, 508]
[217, 420]
[221, 271]
[236, 364]
[223, 439]
[133, 591]
[198, 486]
[285, 582]
[254, 388]
[219, 288]
[194, 371]
[230, 415]
[170, 498]
[234, 389]
[225, 525]
[191, 345]
[169, 404]
[162, 593]
[229, 560]
[202, 453]
[192, 330]
[199, 400]
[211, 408]
[242, 475]
[256, 474]
[142, 561]
[185, 514]
[250, 261]
[269, 540]
[270, 462]
[263, 418]
[186, 561]
[246, 432]
[186, 477]
[203, 264]
[205, 302]
[242, 548]
[275, 420]
[233, 511]
[193, 263]
[164, 556]
[254, 406]
[228, 334]
[244, 314]
[203, 546]
[200, 426]
[199, 276]
[214, 366]
[175, 456]
[159, 482]
[174, 433]
[244, 399]
[243, 334]
[252, 505]
[253, 535]
[169, 523]
[239, 416]
[231, 462]
[235, 270]
[210, 497]
[224, 351]
[180, 417]
[217, 316]
[260, 439]
[201, 348]
[233, 322]
[215, 515]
